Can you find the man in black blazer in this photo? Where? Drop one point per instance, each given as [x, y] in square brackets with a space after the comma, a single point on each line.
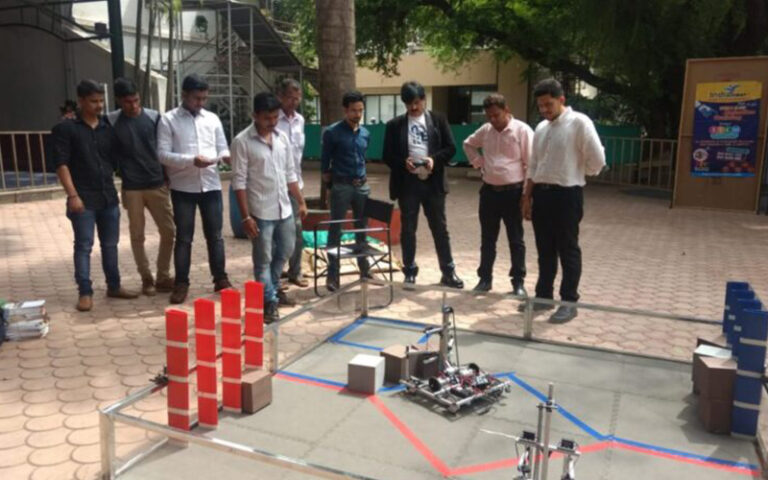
[417, 148]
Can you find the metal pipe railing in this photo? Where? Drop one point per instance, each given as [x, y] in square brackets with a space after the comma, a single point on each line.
[18, 147]
[647, 162]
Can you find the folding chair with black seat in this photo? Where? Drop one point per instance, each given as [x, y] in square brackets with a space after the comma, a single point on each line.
[379, 260]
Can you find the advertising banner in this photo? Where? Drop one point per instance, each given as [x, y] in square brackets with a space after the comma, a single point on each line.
[725, 129]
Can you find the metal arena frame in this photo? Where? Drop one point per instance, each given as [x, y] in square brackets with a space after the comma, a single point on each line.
[109, 417]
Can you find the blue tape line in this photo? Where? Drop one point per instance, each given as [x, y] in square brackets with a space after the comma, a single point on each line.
[392, 388]
[311, 378]
[346, 330]
[357, 345]
[719, 461]
[397, 322]
[423, 339]
[562, 411]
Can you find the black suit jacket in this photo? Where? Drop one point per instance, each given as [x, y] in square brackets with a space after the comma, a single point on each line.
[441, 148]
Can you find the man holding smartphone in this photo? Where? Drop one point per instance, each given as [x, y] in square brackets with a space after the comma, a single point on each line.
[190, 144]
[417, 147]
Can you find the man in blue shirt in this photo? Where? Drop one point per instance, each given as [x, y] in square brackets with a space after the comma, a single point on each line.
[343, 166]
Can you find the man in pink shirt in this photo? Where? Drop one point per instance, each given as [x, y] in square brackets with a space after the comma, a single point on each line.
[506, 146]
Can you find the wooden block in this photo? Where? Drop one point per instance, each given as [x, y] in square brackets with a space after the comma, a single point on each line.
[716, 378]
[715, 415]
[395, 363]
[256, 389]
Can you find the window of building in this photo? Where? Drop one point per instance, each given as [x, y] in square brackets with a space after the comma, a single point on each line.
[476, 112]
[382, 108]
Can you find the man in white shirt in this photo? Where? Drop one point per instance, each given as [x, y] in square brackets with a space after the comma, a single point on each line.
[263, 175]
[190, 144]
[291, 123]
[506, 147]
[566, 147]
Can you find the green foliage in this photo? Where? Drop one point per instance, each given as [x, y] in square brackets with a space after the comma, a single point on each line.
[634, 52]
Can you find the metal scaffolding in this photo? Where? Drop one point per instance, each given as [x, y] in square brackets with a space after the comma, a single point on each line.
[247, 54]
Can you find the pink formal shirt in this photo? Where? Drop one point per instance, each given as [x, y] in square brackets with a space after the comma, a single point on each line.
[505, 155]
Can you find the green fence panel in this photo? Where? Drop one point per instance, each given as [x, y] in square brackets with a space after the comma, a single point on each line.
[621, 142]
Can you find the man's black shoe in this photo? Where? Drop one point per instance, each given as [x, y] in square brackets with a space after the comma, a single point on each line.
[483, 286]
[410, 278]
[271, 314]
[332, 284]
[283, 300]
[518, 288]
[563, 314]
[452, 281]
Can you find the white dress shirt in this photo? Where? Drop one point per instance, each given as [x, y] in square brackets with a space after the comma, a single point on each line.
[181, 137]
[565, 150]
[264, 172]
[293, 128]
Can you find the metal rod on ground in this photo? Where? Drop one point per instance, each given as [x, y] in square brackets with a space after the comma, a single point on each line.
[528, 319]
[107, 437]
[363, 296]
[537, 450]
[547, 425]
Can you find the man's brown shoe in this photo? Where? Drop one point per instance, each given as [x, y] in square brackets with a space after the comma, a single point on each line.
[179, 293]
[221, 284]
[299, 281]
[84, 303]
[148, 287]
[122, 293]
[165, 285]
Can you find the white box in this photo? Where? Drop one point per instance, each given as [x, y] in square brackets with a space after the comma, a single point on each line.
[365, 374]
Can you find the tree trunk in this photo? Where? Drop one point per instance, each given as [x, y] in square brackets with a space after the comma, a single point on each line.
[336, 59]
[145, 85]
[137, 47]
[169, 100]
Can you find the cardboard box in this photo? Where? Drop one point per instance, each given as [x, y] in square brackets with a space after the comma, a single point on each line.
[719, 341]
[716, 378]
[257, 390]
[705, 350]
[365, 373]
[715, 415]
[423, 361]
[395, 363]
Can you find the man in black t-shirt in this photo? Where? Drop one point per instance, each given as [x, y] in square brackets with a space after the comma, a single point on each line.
[143, 183]
[82, 152]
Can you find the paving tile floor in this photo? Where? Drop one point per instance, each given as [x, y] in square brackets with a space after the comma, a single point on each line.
[638, 253]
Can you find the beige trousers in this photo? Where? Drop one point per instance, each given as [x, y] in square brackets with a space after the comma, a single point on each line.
[158, 202]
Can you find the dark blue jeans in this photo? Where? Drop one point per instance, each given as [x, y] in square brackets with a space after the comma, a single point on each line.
[185, 205]
[107, 224]
[343, 196]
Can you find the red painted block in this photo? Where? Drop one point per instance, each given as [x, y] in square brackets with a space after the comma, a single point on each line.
[205, 330]
[177, 360]
[207, 388]
[254, 324]
[231, 337]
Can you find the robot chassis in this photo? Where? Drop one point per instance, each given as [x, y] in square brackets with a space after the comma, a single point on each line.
[455, 385]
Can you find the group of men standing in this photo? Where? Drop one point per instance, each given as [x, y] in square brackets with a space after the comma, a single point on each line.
[169, 166]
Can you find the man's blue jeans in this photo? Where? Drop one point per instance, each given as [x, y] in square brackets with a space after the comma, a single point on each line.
[271, 249]
[344, 195]
[107, 224]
